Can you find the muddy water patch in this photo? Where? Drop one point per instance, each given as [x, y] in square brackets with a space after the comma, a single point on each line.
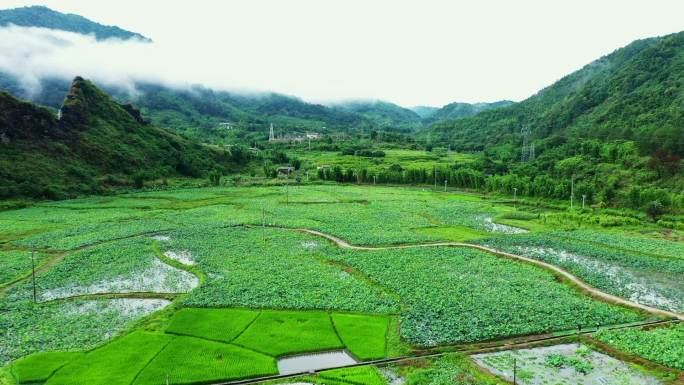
[494, 227]
[184, 257]
[661, 289]
[158, 278]
[314, 361]
[569, 364]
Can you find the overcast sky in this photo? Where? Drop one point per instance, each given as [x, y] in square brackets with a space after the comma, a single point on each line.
[408, 52]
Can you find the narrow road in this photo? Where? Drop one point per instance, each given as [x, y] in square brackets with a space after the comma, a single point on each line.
[590, 290]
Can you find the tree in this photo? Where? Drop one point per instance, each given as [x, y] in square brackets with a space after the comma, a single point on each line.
[138, 180]
[215, 178]
[655, 209]
[664, 163]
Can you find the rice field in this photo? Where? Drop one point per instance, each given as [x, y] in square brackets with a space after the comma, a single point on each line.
[218, 284]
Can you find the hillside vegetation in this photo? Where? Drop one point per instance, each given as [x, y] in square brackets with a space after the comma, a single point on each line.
[39, 16]
[97, 143]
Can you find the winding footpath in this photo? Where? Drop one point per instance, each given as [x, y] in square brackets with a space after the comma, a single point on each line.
[590, 290]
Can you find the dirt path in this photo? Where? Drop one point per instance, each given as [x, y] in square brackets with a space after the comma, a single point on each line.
[592, 291]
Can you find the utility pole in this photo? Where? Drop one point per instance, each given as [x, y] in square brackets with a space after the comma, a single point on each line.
[572, 190]
[373, 180]
[434, 172]
[515, 195]
[583, 198]
[515, 371]
[33, 272]
[445, 184]
[263, 224]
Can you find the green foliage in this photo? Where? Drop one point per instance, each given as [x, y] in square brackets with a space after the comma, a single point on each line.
[634, 267]
[116, 363]
[38, 367]
[450, 369]
[212, 324]
[445, 290]
[363, 375]
[187, 360]
[560, 361]
[279, 333]
[663, 345]
[363, 335]
[38, 16]
[96, 142]
[16, 263]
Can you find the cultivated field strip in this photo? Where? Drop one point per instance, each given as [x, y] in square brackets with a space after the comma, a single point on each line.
[595, 293]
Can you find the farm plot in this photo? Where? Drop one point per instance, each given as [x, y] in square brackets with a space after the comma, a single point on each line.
[187, 360]
[117, 363]
[16, 263]
[628, 242]
[88, 234]
[38, 367]
[662, 345]
[117, 267]
[567, 364]
[638, 277]
[26, 328]
[286, 271]
[205, 345]
[458, 296]
[279, 333]
[441, 370]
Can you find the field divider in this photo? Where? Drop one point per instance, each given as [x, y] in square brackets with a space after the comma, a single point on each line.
[583, 286]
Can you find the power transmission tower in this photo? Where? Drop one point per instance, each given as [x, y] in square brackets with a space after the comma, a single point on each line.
[532, 154]
[271, 135]
[525, 150]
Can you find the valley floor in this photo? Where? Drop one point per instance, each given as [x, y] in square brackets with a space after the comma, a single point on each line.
[219, 284]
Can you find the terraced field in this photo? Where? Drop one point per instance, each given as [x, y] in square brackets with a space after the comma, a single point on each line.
[218, 284]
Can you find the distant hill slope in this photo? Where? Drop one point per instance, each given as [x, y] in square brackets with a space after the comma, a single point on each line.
[424, 111]
[384, 115]
[635, 93]
[462, 110]
[39, 16]
[96, 143]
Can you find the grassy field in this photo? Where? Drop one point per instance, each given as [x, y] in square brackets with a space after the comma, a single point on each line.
[279, 333]
[258, 289]
[409, 159]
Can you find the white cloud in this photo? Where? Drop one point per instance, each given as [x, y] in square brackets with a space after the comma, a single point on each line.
[409, 52]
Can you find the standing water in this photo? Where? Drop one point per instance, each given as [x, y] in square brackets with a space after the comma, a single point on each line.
[315, 361]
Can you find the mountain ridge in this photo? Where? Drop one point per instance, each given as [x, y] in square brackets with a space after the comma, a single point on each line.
[40, 16]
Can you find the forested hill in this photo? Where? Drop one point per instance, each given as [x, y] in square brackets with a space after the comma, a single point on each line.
[39, 16]
[635, 93]
[461, 110]
[96, 144]
[385, 115]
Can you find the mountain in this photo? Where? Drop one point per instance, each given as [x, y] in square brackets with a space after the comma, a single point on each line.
[424, 111]
[201, 112]
[39, 16]
[384, 115]
[94, 144]
[635, 93]
[461, 110]
[612, 131]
